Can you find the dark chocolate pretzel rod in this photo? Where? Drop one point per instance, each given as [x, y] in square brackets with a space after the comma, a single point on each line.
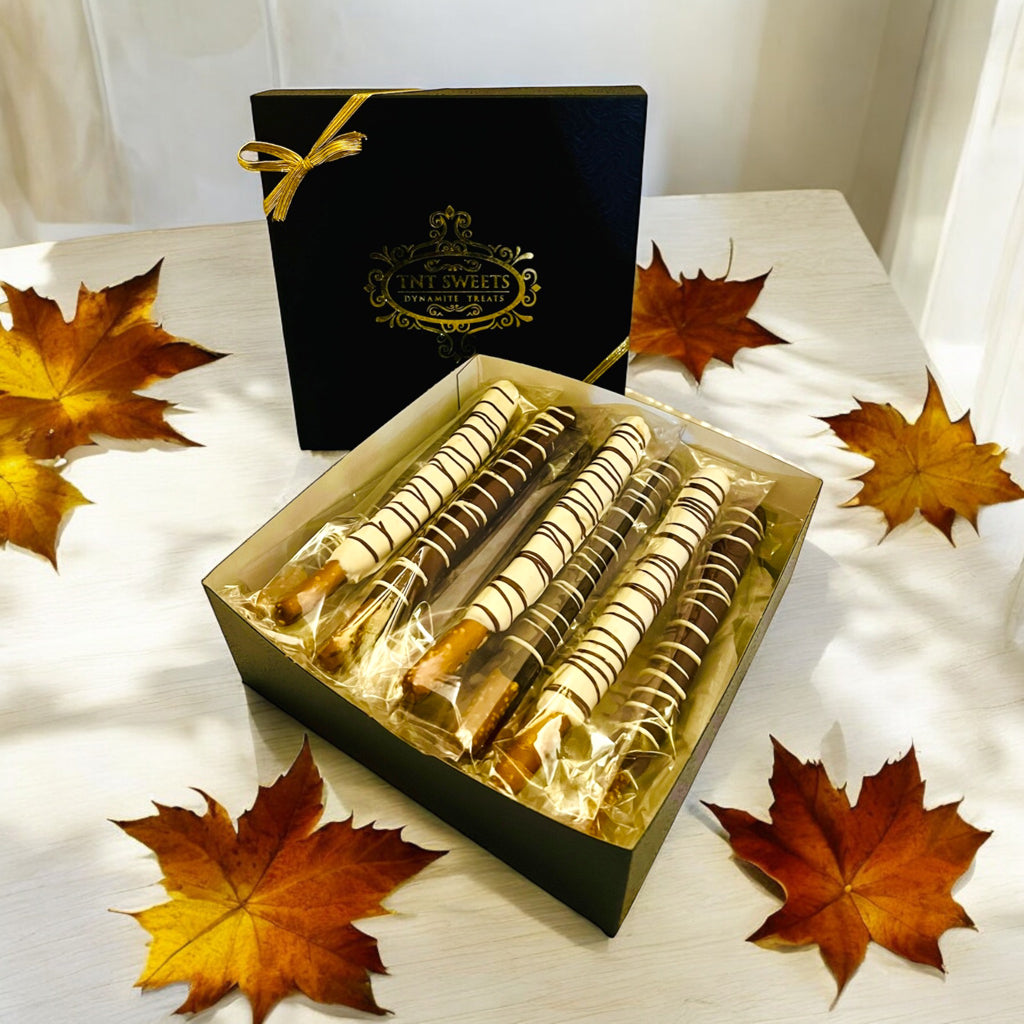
[581, 680]
[650, 712]
[543, 627]
[387, 529]
[548, 548]
[443, 543]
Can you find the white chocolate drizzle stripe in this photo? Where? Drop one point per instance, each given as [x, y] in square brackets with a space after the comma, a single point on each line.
[593, 665]
[465, 516]
[564, 528]
[414, 503]
[653, 709]
[538, 633]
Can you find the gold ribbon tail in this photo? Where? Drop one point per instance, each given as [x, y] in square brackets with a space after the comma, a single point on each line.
[608, 362]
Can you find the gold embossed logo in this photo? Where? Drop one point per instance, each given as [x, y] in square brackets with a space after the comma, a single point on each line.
[452, 285]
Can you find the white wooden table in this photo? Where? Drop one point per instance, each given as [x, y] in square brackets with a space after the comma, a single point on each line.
[117, 687]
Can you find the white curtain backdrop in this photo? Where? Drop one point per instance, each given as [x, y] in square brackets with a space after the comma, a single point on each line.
[955, 240]
[120, 114]
[59, 158]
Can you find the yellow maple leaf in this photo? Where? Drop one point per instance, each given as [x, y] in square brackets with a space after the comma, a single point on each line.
[933, 465]
[269, 908]
[61, 382]
[34, 500]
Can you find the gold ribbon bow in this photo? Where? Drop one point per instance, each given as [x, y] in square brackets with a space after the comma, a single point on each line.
[330, 146]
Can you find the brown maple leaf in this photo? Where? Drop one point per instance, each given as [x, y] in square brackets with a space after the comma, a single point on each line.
[696, 319]
[879, 871]
[62, 382]
[932, 464]
[269, 908]
[34, 500]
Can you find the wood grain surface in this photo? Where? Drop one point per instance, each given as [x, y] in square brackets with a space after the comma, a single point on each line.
[118, 689]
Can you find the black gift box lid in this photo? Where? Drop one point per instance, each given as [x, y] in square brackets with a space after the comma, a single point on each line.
[498, 221]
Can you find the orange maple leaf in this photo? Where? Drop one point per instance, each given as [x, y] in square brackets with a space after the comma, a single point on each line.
[879, 871]
[269, 908]
[696, 319]
[62, 382]
[34, 500]
[933, 464]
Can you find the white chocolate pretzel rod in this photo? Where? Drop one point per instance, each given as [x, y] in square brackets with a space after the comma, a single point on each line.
[650, 712]
[445, 541]
[528, 645]
[582, 679]
[412, 505]
[548, 548]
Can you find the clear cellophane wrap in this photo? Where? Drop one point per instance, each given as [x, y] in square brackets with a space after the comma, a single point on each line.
[589, 772]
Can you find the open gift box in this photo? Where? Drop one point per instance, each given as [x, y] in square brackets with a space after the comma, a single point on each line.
[591, 855]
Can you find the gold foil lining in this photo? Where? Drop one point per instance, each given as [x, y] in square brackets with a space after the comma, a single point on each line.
[332, 145]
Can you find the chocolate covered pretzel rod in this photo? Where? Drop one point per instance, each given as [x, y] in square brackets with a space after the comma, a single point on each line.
[650, 712]
[412, 505]
[541, 629]
[548, 548]
[443, 543]
[582, 679]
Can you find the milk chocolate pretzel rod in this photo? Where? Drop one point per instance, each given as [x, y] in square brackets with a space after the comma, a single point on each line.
[543, 628]
[411, 506]
[582, 679]
[548, 548]
[444, 542]
[650, 712]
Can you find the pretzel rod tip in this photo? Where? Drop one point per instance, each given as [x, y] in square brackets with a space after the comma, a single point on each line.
[333, 655]
[326, 579]
[517, 765]
[444, 658]
[520, 760]
[480, 720]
